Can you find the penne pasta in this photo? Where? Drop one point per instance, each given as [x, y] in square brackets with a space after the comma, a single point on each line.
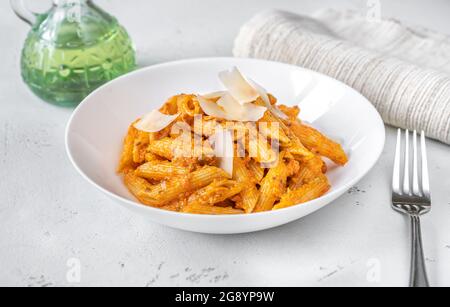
[296, 147]
[260, 149]
[256, 169]
[170, 107]
[270, 128]
[291, 112]
[216, 192]
[160, 170]
[162, 148]
[140, 147]
[293, 167]
[149, 157]
[167, 191]
[308, 171]
[250, 194]
[272, 187]
[307, 192]
[188, 106]
[276, 162]
[319, 144]
[126, 158]
[137, 186]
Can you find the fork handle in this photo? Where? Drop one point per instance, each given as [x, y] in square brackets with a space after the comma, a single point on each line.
[418, 271]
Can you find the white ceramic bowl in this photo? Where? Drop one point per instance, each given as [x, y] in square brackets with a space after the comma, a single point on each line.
[95, 132]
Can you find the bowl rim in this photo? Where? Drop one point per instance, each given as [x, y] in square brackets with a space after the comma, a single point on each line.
[334, 195]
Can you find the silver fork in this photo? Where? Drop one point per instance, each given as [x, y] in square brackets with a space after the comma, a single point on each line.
[411, 195]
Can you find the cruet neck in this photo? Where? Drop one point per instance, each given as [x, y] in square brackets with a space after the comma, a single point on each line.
[69, 2]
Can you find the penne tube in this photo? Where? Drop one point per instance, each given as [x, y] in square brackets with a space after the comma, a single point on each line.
[170, 107]
[162, 148]
[310, 191]
[296, 147]
[126, 158]
[293, 167]
[206, 175]
[250, 194]
[159, 170]
[291, 112]
[140, 146]
[271, 129]
[260, 150]
[185, 146]
[164, 193]
[188, 105]
[137, 186]
[149, 157]
[272, 187]
[307, 172]
[216, 192]
[167, 191]
[319, 144]
[256, 169]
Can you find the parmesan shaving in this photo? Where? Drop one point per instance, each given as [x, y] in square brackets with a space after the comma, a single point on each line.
[155, 121]
[238, 86]
[211, 108]
[214, 95]
[245, 113]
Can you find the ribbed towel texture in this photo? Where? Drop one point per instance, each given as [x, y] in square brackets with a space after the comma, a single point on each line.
[404, 72]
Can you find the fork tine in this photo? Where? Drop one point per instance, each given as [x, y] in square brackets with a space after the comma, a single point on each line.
[406, 179]
[397, 164]
[425, 174]
[416, 188]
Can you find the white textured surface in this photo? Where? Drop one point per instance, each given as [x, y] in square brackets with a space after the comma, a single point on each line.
[48, 214]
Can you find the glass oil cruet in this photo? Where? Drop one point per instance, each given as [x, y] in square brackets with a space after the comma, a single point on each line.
[72, 49]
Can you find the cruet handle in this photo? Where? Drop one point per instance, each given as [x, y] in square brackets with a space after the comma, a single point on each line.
[23, 12]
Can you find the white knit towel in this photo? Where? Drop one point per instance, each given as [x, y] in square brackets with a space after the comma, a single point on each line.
[404, 72]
